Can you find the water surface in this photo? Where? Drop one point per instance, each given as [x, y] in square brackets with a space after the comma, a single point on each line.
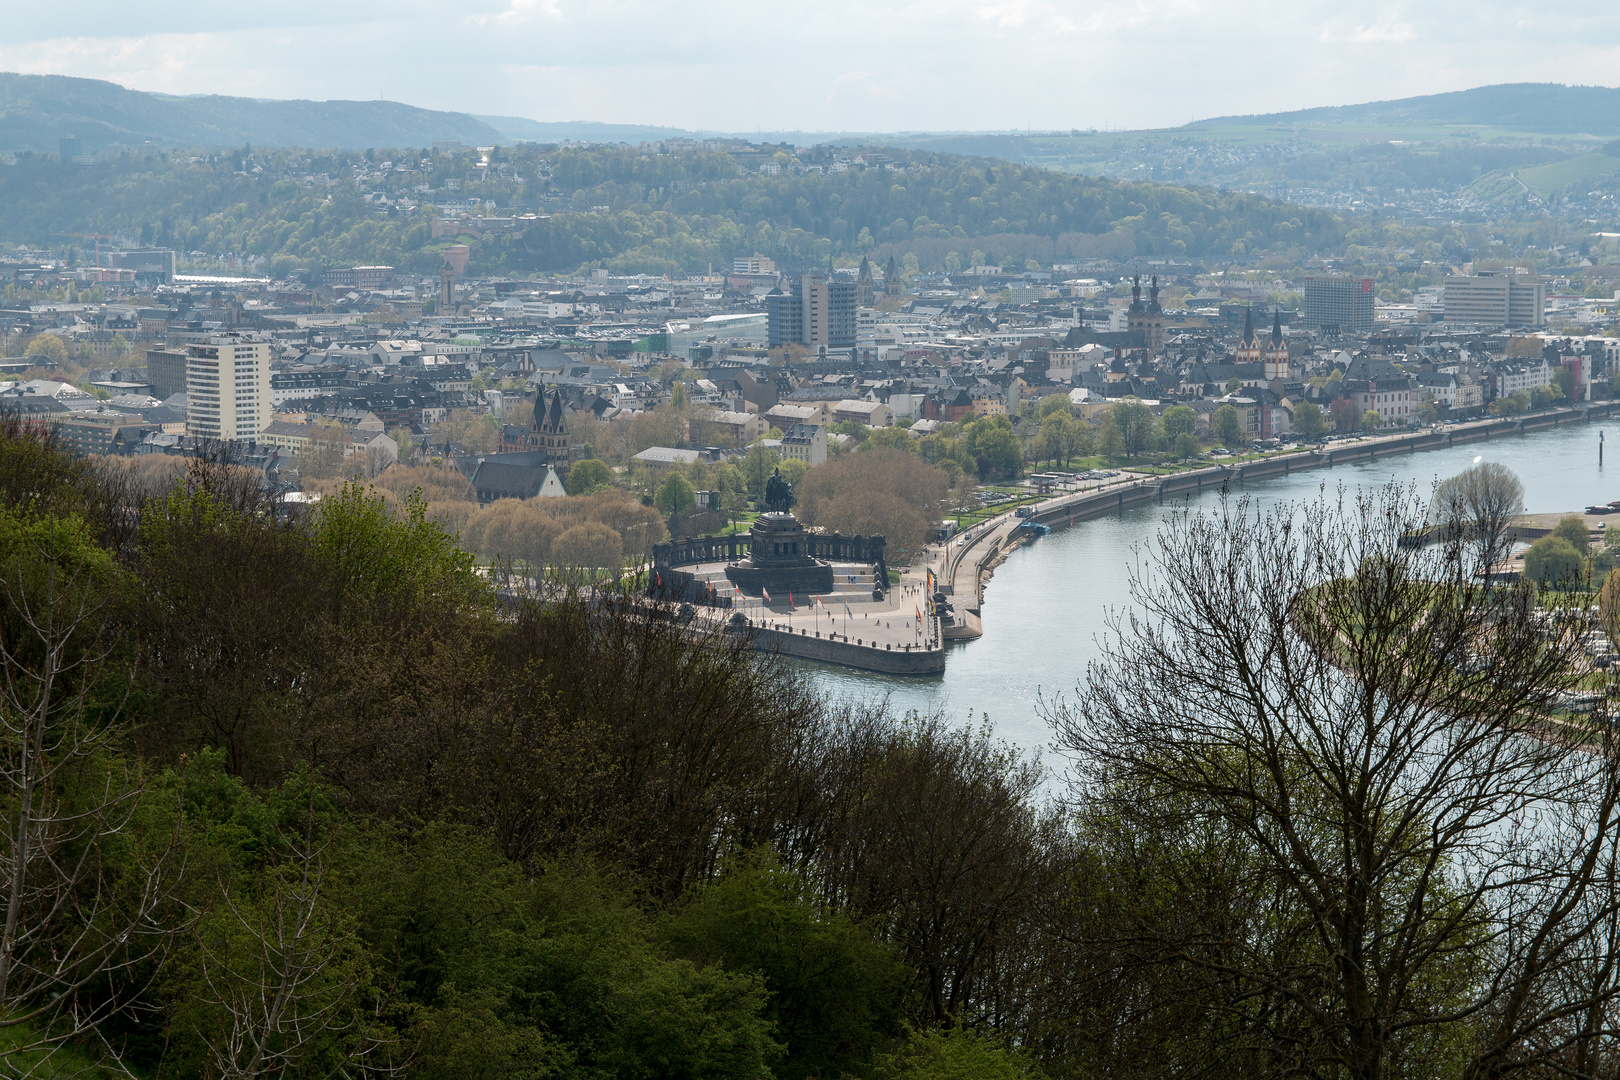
[1044, 608]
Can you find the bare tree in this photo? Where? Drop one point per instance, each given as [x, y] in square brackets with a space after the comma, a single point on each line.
[285, 975]
[1477, 506]
[1394, 766]
[80, 926]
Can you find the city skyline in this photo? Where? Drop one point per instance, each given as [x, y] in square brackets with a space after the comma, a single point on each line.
[959, 65]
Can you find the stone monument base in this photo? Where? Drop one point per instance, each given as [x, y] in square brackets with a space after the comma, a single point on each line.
[803, 580]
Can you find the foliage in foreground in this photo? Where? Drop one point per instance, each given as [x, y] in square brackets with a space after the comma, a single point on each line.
[317, 801]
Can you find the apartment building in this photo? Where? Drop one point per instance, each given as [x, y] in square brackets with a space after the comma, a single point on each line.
[227, 387]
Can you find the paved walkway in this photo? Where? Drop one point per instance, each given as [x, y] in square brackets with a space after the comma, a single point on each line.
[848, 610]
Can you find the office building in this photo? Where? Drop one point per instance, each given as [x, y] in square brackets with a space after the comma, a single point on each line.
[227, 387]
[359, 277]
[819, 314]
[153, 263]
[1496, 298]
[1339, 305]
[166, 372]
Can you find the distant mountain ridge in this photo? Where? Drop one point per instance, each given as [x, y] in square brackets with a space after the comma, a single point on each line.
[1543, 108]
[36, 111]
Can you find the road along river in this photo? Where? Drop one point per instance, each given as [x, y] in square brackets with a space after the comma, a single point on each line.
[1045, 606]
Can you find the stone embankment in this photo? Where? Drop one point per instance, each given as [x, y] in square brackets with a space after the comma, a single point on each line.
[868, 655]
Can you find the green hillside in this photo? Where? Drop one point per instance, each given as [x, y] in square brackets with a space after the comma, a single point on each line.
[38, 110]
[638, 210]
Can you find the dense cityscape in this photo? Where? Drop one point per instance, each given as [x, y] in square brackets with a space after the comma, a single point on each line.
[523, 608]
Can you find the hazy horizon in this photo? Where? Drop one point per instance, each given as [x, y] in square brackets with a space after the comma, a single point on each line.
[948, 66]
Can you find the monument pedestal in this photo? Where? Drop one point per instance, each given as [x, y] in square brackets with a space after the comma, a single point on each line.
[779, 561]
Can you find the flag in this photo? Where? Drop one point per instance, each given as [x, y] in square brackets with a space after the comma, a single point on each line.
[848, 614]
[791, 605]
[919, 614]
[930, 581]
[766, 593]
[658, 579]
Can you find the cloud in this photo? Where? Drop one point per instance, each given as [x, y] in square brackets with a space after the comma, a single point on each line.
[867, 65]
[518, 12]
[1388, 32]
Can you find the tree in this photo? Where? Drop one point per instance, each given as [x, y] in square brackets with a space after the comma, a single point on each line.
[894, 438]
[1186, 446]
[49, 346]
[588, 545]
[1553, 563]
[956, 1052]
[588, 475]
[883, 492]
[1308, 420]
[677, 395]
[835, 985]
[1052, 403]
[80, 894]
[757, 466]
[1179, 420]
[1060, 432]
[1137, 425]
[1475, 508]
[1564, 381]
[675, 495]
[1227, 426]
[1110, 443]
[280, 969]
[1572, 527]
[1371, 421]
[1390, 800]
[993, 444]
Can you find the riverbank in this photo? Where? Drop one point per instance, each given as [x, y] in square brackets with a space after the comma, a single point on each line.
[964, 569]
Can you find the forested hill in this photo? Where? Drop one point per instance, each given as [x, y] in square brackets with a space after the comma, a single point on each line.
[636, 209]
[38, 110]
[1549, 108]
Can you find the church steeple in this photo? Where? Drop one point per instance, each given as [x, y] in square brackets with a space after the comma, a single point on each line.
[1276, 354]
[1248, 327]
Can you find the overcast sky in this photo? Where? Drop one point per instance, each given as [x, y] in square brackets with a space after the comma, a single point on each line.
[823, 66]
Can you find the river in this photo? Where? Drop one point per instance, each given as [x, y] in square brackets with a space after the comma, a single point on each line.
[1045, 606]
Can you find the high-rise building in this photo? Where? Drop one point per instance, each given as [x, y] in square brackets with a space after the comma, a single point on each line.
[819, 313]
[69, 148]
[227, 387]
[1339, 305]
[1492, 298]
[166, 371]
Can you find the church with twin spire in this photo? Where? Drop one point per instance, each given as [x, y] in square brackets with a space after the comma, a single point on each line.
[1271, 355]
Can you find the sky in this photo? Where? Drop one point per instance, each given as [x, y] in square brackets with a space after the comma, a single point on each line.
[827, 65]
